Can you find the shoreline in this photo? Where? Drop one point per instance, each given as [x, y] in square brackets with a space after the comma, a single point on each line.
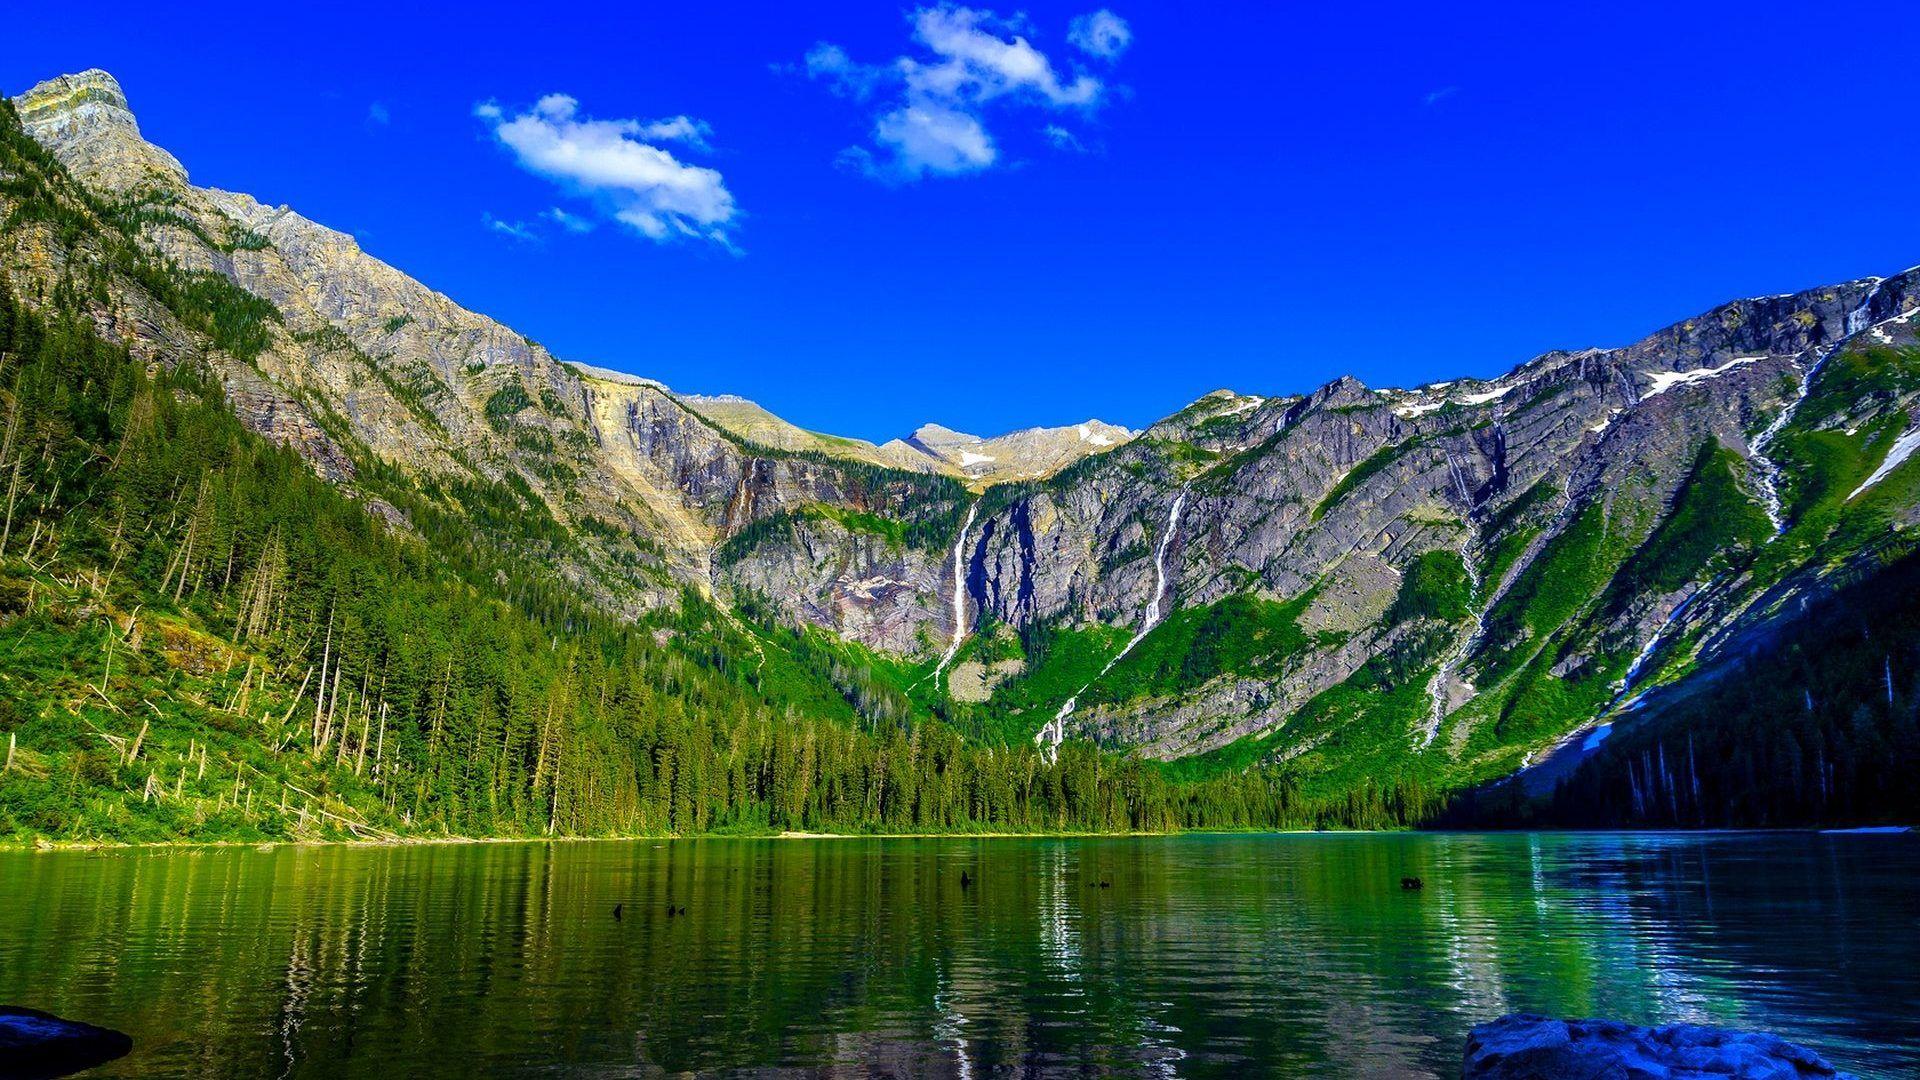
[58, 846]
[50, 846]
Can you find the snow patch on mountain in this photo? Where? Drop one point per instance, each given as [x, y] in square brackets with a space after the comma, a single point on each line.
[1664, 381]
[1485, 396]
[1903, 448]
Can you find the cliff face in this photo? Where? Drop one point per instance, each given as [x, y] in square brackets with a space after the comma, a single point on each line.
[1553, 479]
[1460, 573]
[367, 364]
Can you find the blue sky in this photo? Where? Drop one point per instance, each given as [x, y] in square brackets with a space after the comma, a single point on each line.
[933, 221]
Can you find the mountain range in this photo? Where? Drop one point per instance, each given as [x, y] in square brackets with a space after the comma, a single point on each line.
[1445, 584]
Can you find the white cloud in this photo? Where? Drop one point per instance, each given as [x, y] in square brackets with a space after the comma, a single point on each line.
[516, 229]
[976, 64]
[1434, 97]
[573, 223]
[932, 120]
[1062, 139]
[933, 139]
[831, 62]
[1102, 34]
[378, 114]
[615, 164]
[677, 128]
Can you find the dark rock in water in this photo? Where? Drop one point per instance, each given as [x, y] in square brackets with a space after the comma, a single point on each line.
[35, 1045]
[1523, 1047]
[1412, 883]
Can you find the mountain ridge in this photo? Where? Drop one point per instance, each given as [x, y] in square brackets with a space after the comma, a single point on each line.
[1438, 583]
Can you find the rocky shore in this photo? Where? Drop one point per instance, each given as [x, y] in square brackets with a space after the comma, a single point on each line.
[1525, 1047]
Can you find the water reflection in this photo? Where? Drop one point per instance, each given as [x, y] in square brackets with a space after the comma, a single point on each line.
[1201, 956]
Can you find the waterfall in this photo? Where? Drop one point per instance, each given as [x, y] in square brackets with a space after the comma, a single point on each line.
[1770, 471]
[1443, 679]
[1459, 480]
[959, 593]
[1653, 643]
[1054, 732]
[1159, 573]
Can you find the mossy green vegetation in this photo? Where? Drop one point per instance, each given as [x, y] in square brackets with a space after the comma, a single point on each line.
[1859, 373]
[1825, 463]
[507, 402]
[1510, 529]
[1242, 634]
[1819, 725]
[1372, 466]
[1354, 740]
[1530, 686]
[1713, 526]
[1059, 661]
[1565, 576]
[1434, 586]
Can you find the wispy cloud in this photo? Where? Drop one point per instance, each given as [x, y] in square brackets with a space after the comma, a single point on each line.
[378, 114]
[616, 167]
[677, 129]
[518, 230]
[832, 64]
[932, 108]
[1102, 34]
[1435, 97]
[573, 223]
[1062, 139]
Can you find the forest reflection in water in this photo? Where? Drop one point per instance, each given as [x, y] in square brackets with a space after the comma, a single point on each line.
[1192, 955]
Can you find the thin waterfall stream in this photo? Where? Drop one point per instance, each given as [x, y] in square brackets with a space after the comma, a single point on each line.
[1054, 732]
[959, 594]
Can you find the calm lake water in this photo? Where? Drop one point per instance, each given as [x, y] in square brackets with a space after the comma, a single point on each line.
[1190, 956]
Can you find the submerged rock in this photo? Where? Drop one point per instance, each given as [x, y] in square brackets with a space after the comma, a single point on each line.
[34, 1044]
[1524, 1047]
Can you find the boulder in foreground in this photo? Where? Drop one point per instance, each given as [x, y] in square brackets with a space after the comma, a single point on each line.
[36, 1045]
[1525, 1047]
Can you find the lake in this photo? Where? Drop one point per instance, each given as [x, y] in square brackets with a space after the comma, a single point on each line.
[1205, 955]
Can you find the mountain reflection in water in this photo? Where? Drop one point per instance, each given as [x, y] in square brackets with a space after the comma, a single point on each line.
[1190, 956]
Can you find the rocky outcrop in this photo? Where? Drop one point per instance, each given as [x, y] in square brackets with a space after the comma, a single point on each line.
[862, 585]
[36, 1044]
[367, 361]
[1525, 1047]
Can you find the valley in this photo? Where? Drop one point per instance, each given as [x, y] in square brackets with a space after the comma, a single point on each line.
[262, 482]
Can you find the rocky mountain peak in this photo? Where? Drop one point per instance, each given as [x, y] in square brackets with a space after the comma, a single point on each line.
[940, 438]
[85, 120]
[1027, 454]
[70, 91]
[1340, 393]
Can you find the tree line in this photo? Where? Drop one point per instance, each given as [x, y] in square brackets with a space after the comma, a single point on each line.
[361, 679]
